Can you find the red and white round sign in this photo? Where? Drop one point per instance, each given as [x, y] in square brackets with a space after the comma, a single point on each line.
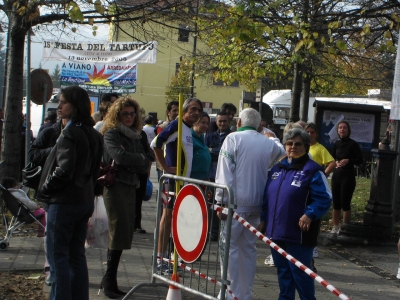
[190, 223]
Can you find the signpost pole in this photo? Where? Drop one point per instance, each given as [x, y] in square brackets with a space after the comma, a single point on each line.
[28, 98]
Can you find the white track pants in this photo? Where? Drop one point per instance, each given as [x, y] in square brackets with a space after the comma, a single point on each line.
[242, 257]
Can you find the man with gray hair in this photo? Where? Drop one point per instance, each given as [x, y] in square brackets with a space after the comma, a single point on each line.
[243, 164]
[192, 109]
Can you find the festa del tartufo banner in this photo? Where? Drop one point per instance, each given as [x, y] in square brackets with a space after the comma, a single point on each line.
[100, 77]
[113, 52]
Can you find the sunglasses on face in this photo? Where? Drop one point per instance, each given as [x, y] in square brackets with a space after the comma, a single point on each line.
[125, 114]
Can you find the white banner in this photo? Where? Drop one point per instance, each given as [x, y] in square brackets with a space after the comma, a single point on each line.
[116, 53]
[395, 111]
[362, 128]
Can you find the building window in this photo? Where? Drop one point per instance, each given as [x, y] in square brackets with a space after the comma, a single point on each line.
[220, 82]
[183, 34]
[177, 66]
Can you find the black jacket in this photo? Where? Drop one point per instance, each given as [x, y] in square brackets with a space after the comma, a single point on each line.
[128, 155]
[71, 170]
[45, 141]
[46, 125]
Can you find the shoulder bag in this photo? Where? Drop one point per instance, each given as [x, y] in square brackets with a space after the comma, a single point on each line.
[31, 175]
[107, 175]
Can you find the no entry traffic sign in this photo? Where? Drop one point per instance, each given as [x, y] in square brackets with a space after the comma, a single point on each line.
[190, 223]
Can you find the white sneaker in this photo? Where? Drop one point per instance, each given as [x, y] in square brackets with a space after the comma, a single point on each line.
[335, 230]
[179, 258]
[398, 273]
[315, 253]
[269, 261]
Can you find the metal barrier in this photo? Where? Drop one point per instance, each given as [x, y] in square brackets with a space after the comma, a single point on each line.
[202, 277]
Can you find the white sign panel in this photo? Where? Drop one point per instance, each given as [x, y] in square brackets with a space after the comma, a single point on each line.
[395, 111]
[86, 52]
[362, 128]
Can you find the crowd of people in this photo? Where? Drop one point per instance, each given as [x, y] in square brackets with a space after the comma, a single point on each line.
[280, 186]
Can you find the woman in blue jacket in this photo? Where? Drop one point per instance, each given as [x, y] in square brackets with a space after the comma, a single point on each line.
[296, 196]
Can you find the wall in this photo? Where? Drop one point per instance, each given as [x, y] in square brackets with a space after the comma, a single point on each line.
[152, 79]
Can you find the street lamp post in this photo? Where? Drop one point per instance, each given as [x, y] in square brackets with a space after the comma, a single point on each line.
[28, 96]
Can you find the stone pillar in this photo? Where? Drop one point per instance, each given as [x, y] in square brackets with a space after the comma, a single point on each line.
[379, 210]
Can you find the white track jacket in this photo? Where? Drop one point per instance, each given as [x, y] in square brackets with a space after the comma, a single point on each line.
[243, 164]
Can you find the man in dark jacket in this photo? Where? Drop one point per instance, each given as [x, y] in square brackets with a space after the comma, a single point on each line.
[230, 110]
[45, 141]
[214, 142]
[51, 120]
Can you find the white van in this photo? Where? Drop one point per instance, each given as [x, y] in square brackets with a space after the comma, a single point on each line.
[280, 102]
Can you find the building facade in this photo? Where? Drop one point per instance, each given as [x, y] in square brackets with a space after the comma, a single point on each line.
[152, 79]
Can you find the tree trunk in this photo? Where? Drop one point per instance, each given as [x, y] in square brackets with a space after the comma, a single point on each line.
[296, 92]
[12, 138]
[305, 98]
[306, 70]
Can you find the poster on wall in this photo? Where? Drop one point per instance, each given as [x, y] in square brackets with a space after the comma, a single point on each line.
[362, 128]
[100, 78]
[106, 53]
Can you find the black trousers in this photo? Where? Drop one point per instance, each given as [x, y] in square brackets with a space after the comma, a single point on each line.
[343, 185]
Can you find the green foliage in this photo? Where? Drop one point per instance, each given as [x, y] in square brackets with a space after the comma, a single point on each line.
[180, 83]
[99, 7]
[75, 12]
[55, 76]
[248, 41]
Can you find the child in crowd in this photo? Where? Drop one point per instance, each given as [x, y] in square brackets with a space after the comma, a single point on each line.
[12, 186]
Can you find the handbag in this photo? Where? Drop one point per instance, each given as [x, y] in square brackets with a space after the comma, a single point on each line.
[31, 175]
[149, 190]
[97, 231]
[107, 175]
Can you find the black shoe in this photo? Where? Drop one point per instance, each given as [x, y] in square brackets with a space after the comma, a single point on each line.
[109, 293]
[119, 292]
[140, 230]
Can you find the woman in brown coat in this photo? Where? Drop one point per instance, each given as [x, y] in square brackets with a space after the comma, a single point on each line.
[121, 130]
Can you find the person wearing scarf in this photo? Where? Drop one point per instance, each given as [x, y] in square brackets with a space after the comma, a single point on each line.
[121, 130]
[296, 196]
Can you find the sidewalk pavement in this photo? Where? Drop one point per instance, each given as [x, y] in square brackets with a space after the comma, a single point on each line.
[361, 272]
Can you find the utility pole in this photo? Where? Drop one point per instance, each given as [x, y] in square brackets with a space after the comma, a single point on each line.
[28, 97]
[194, 51]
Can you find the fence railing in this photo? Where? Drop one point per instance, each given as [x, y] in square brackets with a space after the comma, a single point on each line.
[203, 277]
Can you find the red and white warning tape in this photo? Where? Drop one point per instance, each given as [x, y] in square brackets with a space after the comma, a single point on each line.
[302, 267]
[201, 275]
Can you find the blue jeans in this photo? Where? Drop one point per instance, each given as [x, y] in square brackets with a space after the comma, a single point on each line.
[66, 234]
[159, 174]
[291, 277]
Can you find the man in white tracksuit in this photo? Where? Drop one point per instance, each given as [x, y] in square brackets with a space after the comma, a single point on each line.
[243, 164]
